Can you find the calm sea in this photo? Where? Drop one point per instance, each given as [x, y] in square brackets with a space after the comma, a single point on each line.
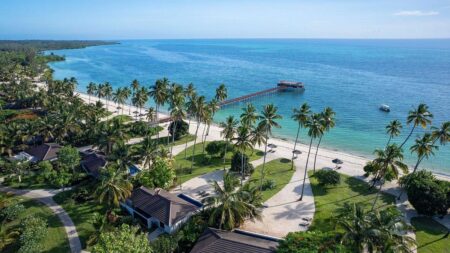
[352, 76]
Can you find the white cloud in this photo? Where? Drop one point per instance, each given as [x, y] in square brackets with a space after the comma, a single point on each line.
[416, 13]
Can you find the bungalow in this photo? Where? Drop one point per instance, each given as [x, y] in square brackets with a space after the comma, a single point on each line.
[159, 208]
[92, 162]
[218, 241]
[44, 152]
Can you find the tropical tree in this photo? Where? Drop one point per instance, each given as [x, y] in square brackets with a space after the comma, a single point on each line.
[243, 142]
[249, 115]
[177, 112]
[69, 157]
[200, 111]
[268, 119]
[190, 109]
[228, 131]
[393, 129]
[91, 90]
[301, 116]
[159, 93]
[229, 207]
[315, 129]
[151, 114]
[147, 151]
[328, 122]
[420, 116]
[221, 93]
[107, 92]
[118, 97]
[100, 92]
[389, 162]
[113, 188]
[123, 239]
[441, 133]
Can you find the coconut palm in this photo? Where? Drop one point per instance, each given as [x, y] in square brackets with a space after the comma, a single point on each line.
[228, 206]
[177, 113]
[315, 129]
[100, 92]
[200, 112]
[118, 97]
[243, 141]
[249, 115]
[393, 129]
[113, 188]
[328, 122]
[191, 111]
[135, 85]
[159, 93]
[151, 114]
[228, 131]
[147, 151]
[91, 90]
[206, 120]
[107, 92]
[390, 163]
[419, 117]
[125, 94]
[221, 93]
[301, 117]
[268, 120]
[441, 133]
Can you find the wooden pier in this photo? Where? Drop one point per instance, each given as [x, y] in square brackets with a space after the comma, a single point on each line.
[252, 95]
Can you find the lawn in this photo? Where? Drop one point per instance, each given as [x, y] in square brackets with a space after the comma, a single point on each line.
[203, 163]
[279, 171]
[328, 199]
[56, 239]
[80, 213]
[28, 182]
[430, 236]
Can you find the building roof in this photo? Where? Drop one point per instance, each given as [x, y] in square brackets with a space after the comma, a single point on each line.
[44, 152]
[219, 241]
[92, 163]
[160, 204]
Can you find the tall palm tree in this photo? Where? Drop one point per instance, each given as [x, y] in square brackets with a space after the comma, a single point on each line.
[107, 92]
[100, 92]
[441, 133]
[390, 161]
[315, 129]
[393, 129]
[159, 93]
[148, 151]
[200, 112]
[249, 115]
[424, 148]
[135, 85]
[118, 97]
[268, 120]
[328, 122]
[420, 116]
[301, 117]
[176, 113]
[191, 111]
[228, 131]
[151, 114]
[229, 206]
[221, 93]
[243, 142]
[91, 90]
[113, 188]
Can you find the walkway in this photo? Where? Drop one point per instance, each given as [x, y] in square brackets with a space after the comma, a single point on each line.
[46, 197]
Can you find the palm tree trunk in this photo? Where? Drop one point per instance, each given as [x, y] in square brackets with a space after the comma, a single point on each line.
[295, 146]
[376, 198]
[89, 99]
[264, 161]
[225, 154]
[306, 169]
[409, 135]
[203, 140]
[317, 151]
[157, 118]
[185, 145]
[173, 135]
[242, 167]
[195, 141]
[389, 141]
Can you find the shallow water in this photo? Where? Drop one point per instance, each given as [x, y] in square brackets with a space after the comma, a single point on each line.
[352, 76]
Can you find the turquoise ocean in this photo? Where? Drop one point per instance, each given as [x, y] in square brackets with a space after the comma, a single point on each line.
[352, 76]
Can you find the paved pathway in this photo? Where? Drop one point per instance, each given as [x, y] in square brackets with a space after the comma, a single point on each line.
[46, 197]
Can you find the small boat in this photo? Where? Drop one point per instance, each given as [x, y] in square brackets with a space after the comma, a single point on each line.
[292, 86]
[385, 108]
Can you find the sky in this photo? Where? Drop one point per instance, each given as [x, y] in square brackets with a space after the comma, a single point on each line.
[185, 19]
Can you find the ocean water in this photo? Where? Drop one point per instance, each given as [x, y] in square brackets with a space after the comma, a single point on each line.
[352, 76]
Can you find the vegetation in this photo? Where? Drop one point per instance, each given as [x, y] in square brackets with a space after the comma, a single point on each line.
[431, 236]
[316, 241]
[327, 177]
[123, 239]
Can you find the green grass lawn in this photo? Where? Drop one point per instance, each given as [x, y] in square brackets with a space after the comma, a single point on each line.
[80, 213]
[277, 170]
[203, 163]
[29, 182]
[328, 199]
[430, 236]
[56, 239]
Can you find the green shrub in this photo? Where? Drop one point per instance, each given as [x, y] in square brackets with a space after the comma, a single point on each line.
[327, 177]
[305, 242]
[236, 164]
[268, 184]
[182, 129]
[11, 212]
[217, 148]
[34, 230]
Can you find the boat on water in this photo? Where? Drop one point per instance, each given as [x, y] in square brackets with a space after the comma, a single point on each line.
[385, 108]
[291, 86]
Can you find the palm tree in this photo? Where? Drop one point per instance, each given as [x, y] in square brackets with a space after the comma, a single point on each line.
[107, 92]
[159, 93]
[328, 122]
[100, 91]
[301, 116]
[176, 113]
[268, 119]
[191, 111]
[390, 162]
[315, 126]
[228, 131]
[229, 207]
[249, 115]
[91, 90]
[118, 96]
[151, 114]
[148, 151]
[200, 112]
[442, 133]
[393, 129]
[243, 142]
[221, 93]
[213, 107]
[113, 188]
[420, 116]
[135, 85]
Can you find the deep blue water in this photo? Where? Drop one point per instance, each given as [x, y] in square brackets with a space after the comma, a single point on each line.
[352, 76]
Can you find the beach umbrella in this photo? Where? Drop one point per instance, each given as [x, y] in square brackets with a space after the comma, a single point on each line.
[296, 153]
[337, 161]
[118, 108]
[271, 145]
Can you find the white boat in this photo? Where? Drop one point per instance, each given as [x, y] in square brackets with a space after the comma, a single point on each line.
[385, 108]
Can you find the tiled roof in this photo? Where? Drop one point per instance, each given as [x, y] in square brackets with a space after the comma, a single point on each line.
[162, 205]
[219, 241]
[92, 163]
[44, 152]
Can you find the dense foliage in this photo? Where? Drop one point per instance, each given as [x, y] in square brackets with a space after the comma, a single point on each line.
[34, 229]
[328, 177]
[181, 128]
[160, 175]
[240, 159]
[305, 242]
[124, 239]
[217, 148]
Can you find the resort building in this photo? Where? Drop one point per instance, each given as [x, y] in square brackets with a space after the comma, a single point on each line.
[93, 162]
[237, 241]
[44, 152]
[157, 208]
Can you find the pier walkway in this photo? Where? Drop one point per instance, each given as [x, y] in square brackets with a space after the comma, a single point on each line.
[251, 95]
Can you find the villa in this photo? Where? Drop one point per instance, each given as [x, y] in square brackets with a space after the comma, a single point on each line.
[93, 162]
[157, 208]
[44, 152]
[237, 241]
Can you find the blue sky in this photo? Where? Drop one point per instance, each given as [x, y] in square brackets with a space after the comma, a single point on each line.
[148, 19]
